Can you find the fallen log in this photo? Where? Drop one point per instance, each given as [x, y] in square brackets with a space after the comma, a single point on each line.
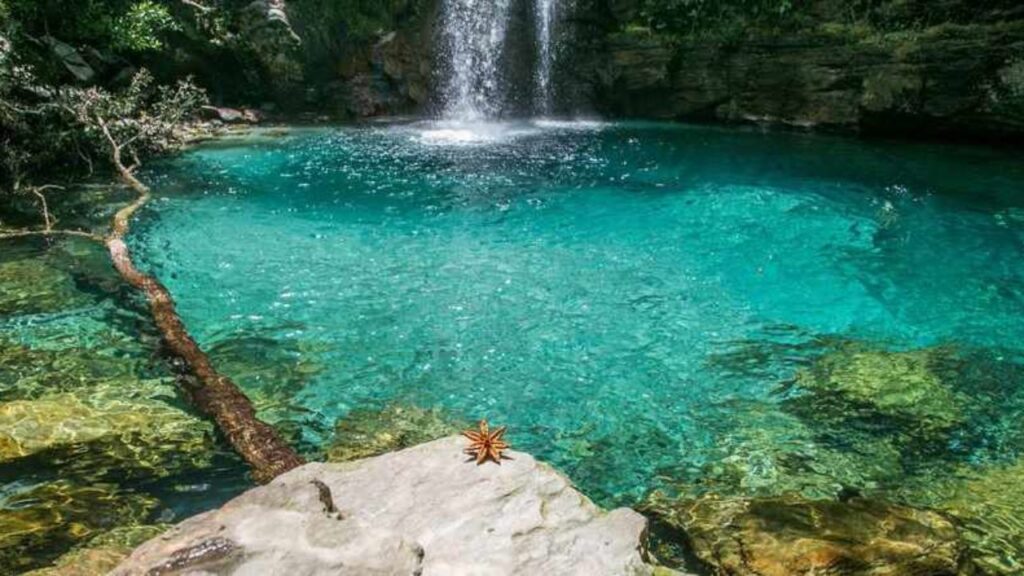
[210, 392]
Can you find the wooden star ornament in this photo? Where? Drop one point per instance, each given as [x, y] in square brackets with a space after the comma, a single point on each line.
[486, 445]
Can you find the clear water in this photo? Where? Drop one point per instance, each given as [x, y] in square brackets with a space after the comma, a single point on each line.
[633, 300]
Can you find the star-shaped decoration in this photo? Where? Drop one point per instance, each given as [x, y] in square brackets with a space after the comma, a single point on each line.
[486, 445]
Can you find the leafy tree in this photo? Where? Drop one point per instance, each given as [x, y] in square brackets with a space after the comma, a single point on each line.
[141, 27]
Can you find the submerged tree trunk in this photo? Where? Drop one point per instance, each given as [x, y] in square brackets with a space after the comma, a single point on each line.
[212, 393]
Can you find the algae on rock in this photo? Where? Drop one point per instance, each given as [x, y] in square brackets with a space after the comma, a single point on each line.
[364, 433]
[898, 385]
[789, 535]
[31, 426]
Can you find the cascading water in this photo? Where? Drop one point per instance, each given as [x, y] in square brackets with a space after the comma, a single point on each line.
[545, 11]
[473, 41]
[474, 35]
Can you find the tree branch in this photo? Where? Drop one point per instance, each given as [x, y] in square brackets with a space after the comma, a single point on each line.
[25, 233]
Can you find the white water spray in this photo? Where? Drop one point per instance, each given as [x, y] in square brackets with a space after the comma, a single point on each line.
[473, 41]
[545, 11]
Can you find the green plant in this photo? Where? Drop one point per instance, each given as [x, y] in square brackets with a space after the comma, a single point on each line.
[140, 28]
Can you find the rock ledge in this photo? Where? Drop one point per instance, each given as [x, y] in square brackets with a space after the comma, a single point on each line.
[423, 510]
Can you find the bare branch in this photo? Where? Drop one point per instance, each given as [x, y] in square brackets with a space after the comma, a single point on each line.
[26, 233]
[197, 6]
[37, 191]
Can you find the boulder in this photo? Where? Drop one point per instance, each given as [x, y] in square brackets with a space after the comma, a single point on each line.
[265, 30]
[231, 115]
[424, 510]
[789, 536]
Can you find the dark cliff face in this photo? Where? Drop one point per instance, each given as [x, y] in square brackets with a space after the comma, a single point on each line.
[910, 68]
[346, 58]
[952, 79]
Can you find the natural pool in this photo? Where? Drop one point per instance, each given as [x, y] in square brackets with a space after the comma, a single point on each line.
[646, 306]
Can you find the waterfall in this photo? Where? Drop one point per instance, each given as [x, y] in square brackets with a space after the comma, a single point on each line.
[545, 25]
[475, 57]
[473, 36]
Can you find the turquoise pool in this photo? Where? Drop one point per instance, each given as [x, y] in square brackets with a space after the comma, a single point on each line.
[644, 305]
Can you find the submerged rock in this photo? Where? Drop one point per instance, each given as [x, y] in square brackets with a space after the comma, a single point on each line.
[40, 520]
[988, 506]
[769, 453]
[424, 510]
[31, 426]
[790, 536]
[32, 286]
[101, 554]
[897, 385]
[365, 433]
[27, 373]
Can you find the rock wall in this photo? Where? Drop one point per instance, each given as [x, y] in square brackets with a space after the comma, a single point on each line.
[957, 80]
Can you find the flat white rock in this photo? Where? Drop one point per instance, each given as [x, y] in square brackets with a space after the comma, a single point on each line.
[424, 510]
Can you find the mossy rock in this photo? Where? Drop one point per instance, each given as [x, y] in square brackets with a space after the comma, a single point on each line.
[27, 373]
[33, 286]
[101, 554]
[37, 523]
[364, 433]
[771, 453]
[793, 536]
[123, 425]
[897, 385]
[990, 507]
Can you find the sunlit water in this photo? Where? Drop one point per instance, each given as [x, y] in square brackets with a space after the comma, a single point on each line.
[623, 296]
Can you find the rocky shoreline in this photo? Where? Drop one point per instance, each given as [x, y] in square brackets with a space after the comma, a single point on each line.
[422, 510]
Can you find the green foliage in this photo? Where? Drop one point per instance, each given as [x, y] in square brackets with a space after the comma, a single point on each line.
[140, 28]
[60, 129]
[696, 16]
[362, 18]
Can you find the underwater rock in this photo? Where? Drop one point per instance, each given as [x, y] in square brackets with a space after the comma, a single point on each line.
[767, 452]
[898, 385]
[101, 554]
[147, 428]
[988, 506]
[421, 510]
[47, 518]
[31, 286]
[27, 373]
[365, 433]
[273, 371]
[790, 536]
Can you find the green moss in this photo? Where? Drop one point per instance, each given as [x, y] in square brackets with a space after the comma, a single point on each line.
[365, 433]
